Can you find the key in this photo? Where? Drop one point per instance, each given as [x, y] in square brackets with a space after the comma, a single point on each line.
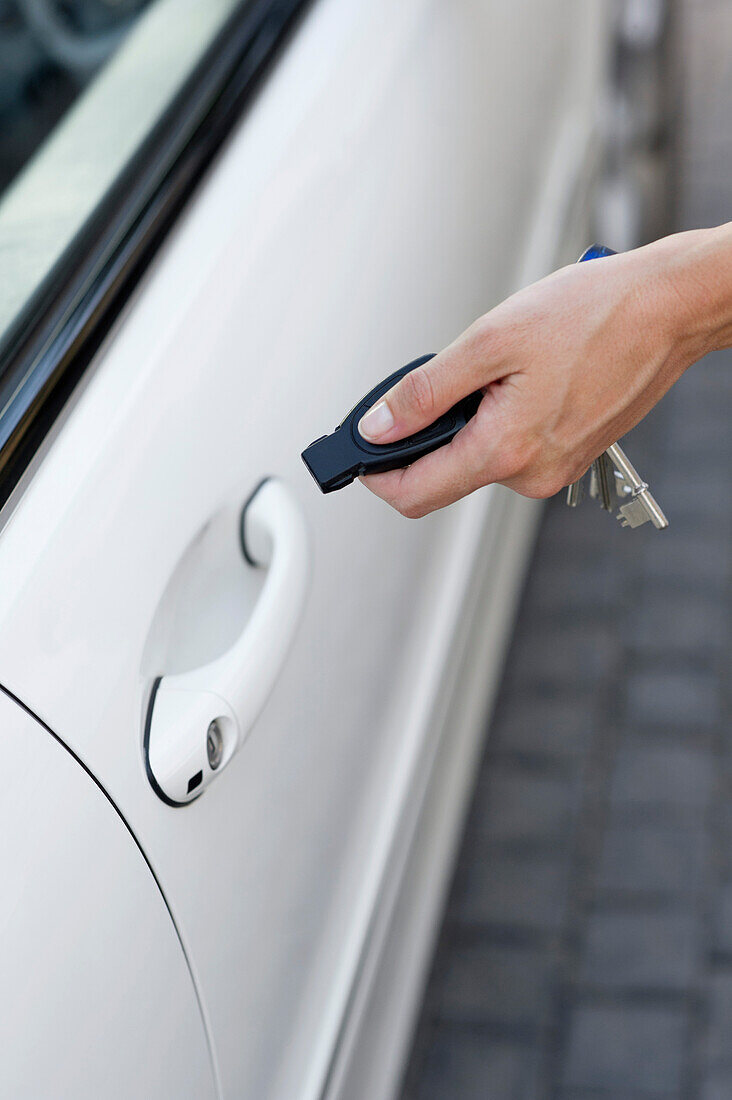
[600, 486]
[640, 505]
[600, 483]
[593, 482]
[335, 460]
[603, 478]
[575, 492]
[614, 470]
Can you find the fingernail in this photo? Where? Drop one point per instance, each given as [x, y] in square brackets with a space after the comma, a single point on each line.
[377, 422]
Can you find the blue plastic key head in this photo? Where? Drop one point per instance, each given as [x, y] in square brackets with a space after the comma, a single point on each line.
[595, 251]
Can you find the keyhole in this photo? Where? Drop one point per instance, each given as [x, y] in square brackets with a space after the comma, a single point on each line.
[214, 745]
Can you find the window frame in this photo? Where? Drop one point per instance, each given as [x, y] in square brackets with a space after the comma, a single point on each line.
[53, 339]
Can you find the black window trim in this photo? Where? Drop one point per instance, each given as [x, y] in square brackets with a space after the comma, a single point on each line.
[53, 339]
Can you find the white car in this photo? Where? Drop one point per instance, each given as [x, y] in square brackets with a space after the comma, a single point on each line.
[236, 761]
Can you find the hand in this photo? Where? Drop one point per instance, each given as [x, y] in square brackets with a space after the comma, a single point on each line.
[566, 367]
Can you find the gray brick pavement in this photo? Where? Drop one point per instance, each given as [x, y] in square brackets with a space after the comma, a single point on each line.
[609, 1049]
[661, 775]
[455, 1060]
[523, 894]
[641, 950]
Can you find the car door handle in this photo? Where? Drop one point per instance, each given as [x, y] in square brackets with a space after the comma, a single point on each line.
[197, 720]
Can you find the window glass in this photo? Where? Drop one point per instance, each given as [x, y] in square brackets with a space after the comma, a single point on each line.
[82, 82]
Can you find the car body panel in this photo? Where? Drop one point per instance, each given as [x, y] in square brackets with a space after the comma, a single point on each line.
[404, 167]
[97, 999]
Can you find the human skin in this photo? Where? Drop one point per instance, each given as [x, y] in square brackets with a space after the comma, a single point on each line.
[566, 367]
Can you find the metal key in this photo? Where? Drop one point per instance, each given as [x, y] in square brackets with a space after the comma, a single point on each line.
[575, 492]
[600, 485]
[638, 505]
[601, 482]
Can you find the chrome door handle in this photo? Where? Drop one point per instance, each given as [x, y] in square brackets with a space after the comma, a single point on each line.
[197, 720]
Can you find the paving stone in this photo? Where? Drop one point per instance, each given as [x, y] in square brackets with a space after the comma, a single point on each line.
[702, 434]
[685, 622]
[606, 1094]
[627, 1048]
[571, 536]
[697, 476]
[718, 1037]
[526, 893]
[651, 858]
[662, 775]
[698, 424]
[575, 658]
[711, 374]
[691, 558]
[716, 1085]
[519, 805]
[694, 498]
[643, 951]
[593, 585]
[558, 727]
[722, 933]
[463, 1064]
[722, 831]
[480, 981]
[681, 697]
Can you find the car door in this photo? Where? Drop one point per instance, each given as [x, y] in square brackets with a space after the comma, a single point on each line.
[399, 169]
[98, 996]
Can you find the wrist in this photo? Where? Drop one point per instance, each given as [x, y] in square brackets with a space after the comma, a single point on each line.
[695, 274]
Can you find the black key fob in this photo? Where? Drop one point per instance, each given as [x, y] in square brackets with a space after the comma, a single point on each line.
[335, 460]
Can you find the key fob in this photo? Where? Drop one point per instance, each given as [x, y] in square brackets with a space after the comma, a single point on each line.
[335, 460]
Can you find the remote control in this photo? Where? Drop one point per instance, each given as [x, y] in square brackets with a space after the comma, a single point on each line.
[335, 460]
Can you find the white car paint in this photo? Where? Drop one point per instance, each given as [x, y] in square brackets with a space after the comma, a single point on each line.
[404, 167]
[96, 989]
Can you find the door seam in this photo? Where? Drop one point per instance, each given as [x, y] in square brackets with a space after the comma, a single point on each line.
[199, 1000]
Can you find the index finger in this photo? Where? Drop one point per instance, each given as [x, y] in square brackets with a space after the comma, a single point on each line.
[428, 391]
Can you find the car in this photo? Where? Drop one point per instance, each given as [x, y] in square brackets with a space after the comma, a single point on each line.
[240, 718]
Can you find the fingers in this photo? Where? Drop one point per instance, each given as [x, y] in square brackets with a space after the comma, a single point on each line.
[427, 392]
[496, 446]
[438, 479]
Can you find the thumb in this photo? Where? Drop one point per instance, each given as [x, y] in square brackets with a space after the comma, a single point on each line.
[423, 395]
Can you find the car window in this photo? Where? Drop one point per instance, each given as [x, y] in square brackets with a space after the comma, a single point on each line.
[110, 113]
[90, 79]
